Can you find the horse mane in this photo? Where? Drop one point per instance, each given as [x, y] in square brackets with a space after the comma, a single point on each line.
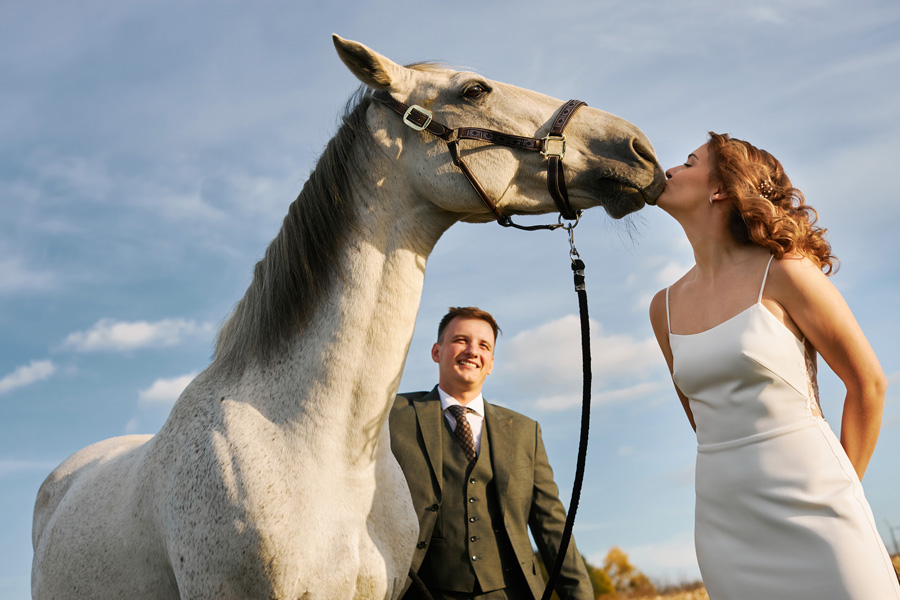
[302, 262]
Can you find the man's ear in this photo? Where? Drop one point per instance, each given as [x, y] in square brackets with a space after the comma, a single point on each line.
[373, 69]
[436, 353]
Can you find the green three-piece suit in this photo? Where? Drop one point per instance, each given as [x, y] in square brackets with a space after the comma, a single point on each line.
[474, 519]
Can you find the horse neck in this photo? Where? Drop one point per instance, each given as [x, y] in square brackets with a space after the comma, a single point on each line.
[337, 378]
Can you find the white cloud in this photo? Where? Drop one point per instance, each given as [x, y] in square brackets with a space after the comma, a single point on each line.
[559, 402]
[673, 560]
[553, 351]
[16, 277]
[565, 401]
[545, 362]
[642, 303]
[764, 14]
[180, 206]
[665, 271]
[682, 477]
[33, 372]
[109, 334]
[671, 272]
[164, 391]
[86, 176]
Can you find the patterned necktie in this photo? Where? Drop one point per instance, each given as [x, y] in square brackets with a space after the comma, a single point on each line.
[463, 430]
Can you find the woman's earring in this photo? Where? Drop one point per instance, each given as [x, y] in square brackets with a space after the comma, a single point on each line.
[710, 200]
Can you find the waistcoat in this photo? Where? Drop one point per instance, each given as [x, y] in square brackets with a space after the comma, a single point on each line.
[469, 543]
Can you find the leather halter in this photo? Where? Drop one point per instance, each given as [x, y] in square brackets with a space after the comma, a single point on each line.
[552, 146]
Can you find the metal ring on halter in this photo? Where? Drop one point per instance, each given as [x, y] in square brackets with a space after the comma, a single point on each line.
[570, 226]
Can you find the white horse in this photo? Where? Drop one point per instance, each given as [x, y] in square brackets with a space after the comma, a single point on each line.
[273, 476]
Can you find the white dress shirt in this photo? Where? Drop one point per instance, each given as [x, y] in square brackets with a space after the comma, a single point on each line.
[475, 415]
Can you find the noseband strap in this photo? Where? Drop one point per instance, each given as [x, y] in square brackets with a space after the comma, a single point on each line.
[552, 146]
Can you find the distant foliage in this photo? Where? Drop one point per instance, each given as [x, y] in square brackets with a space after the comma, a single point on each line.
[600, 581]
[628, 581]
[618, 579]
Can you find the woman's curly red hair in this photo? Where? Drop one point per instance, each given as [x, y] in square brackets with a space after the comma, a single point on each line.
[767, 210]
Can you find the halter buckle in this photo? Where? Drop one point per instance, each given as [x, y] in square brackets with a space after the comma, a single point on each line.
[418, 120]
[559, 140]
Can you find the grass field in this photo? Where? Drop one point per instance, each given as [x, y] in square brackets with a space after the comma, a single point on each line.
[698, 592]
[687, 592]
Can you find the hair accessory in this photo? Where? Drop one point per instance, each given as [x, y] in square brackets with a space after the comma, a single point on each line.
[766, 190]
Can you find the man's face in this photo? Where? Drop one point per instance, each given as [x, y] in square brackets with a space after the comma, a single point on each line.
[465, 355]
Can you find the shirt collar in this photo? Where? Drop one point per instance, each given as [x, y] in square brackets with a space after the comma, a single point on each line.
[476, 405]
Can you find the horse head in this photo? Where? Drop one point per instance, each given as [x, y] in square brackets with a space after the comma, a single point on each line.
[608, 161]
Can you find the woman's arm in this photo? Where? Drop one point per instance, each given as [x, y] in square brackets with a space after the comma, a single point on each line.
[821, 313]
[660, 324]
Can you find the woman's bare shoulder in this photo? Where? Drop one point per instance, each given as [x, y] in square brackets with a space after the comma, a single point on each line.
[797, 277]
[796, 267]
[658, 305]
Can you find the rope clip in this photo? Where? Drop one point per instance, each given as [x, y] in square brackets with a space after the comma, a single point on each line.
[570, 227]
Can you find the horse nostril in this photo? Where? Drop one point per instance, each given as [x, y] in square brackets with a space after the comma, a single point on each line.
[643, 150]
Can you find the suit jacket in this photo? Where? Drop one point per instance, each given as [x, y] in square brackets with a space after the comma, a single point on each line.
[527, 494]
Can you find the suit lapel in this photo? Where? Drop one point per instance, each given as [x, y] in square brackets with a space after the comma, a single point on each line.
[429, 415]
[501, 435]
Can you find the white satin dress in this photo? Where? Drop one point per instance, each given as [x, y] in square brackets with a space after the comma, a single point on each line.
[780, 512]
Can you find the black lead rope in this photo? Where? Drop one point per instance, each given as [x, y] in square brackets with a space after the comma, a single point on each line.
[578, 271]
[420, 586]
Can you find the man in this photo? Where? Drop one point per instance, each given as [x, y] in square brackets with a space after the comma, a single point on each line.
[476, 485]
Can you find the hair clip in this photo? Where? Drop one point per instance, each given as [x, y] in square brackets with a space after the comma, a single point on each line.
[766, 190]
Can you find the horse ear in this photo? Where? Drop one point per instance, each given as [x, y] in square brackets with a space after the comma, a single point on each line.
[371, 68]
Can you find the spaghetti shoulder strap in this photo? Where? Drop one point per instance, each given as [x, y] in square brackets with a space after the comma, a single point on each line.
[668, 318]
[765, 276]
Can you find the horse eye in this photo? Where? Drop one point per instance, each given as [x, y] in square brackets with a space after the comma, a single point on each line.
[475, 91]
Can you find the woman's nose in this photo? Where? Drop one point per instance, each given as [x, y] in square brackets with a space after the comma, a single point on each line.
[670, 172]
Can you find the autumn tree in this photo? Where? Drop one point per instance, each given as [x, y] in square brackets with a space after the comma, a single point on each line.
[600, 581]
[627, 580]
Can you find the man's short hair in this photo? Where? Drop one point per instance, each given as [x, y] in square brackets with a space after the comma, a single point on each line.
[467, 312]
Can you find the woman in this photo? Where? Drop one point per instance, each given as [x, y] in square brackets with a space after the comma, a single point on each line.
[780, 510]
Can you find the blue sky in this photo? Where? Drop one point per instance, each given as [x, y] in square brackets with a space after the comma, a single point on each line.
[149, 151]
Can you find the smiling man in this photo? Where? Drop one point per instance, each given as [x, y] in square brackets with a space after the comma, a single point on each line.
[479, 478]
